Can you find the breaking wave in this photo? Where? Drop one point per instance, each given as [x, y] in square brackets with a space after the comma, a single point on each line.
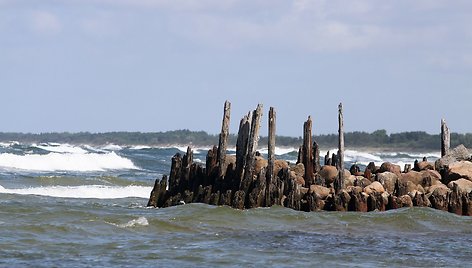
[65, 162]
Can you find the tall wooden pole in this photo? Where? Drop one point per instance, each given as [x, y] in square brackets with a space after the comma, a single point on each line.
[445, 138]
[308, 152]
[223, 142]
[270, 157]
[339, 182]
[271, 145]
[252, 148]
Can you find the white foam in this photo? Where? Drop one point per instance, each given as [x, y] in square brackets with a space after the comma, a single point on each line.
[140, 147]
[8, 144]
[66, 162]
[84, 191]
[355, 156]
[112, 147]
[141, 221]
[60, 148]
[279, 150]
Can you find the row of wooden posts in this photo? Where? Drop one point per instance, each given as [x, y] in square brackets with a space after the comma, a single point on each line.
[240, 184]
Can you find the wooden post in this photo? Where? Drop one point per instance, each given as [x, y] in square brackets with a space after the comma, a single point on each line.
[316, 157]
[241, 149]
[223, 142]
[308, 152]
[270, 156]
[445, 138]
[339, 181]
[251, 149]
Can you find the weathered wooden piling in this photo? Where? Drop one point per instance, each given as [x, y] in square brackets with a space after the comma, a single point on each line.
[223, 142]
[307, 152]
[241, 148]
[445, 138]
[251, 149]
[270, 186]
[339, 181]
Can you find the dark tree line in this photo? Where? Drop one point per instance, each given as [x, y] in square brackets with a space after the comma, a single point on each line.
[379, 139]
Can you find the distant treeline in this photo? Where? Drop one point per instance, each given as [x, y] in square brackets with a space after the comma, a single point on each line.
[417, 140]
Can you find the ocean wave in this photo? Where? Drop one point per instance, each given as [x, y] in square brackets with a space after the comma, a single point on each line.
[66, 162]
[112, 147]
[60, 148]
[141, 221]
[84, 191]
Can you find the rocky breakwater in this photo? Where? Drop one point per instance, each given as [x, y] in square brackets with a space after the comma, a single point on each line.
[247, 180]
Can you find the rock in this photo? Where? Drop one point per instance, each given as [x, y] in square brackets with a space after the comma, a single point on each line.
[279, 165]
[362, 182]
[438, 196]
[460, 153]
[404, 201]
[260, 164]
[328, 173]
[358, 200]
[420, 200]
[413, 176]
[424, 178]
[321, 191]
[387, 166]
[388, 180]
[425, 165]
[374, 187]
[299, 170]
[457, 170]
[300, 181]
[464, 186]
[349, 181]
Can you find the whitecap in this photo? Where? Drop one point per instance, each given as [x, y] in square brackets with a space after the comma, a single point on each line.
[66, 162]
[60, 148]
[112, 147]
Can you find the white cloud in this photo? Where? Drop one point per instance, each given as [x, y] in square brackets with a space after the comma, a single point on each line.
[43, 22]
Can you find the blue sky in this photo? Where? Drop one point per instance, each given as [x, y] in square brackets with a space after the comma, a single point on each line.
[157, 65]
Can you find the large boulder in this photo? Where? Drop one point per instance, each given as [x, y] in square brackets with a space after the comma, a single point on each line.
[361, 181]
[464, 186]
[388, 180]
[374, 187]
[321, 191]
[414, 176]
[260, 163]
[460, 153]
[425, 178]
[298, 169]
[425, 165]
[387, 166]
[458, 170]
[279, 165]
[328, 173]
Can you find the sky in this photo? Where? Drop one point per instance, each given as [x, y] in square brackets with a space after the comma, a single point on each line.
[158, 65]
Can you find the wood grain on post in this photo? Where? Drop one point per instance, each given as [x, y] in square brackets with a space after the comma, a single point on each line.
[339, 181]
[445, 138]
[270, 155]
[251, 149]
[223, 142]
[241, 148]
[308, 152]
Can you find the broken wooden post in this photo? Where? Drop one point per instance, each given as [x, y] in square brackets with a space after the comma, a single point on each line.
[223, 142]
[316, 157]
[270, 156]
[445, 138]
[339, 181]
[241, 149]
[251, 149]
[308, 153]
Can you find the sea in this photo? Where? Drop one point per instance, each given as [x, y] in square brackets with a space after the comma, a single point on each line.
[65, 205]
